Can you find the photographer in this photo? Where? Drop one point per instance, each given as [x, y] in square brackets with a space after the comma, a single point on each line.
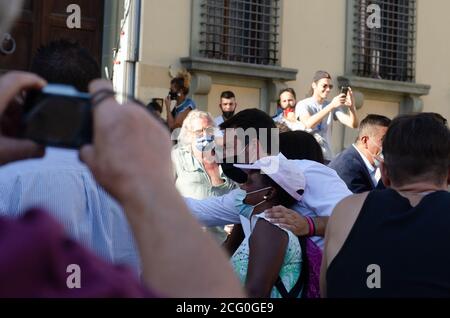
[178, 105]
[59, 182]
[35, 254]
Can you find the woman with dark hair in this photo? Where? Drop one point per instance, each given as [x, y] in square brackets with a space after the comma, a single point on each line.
[298, 145]
[286, 110]
[268, 254]
[178, 105]
[294, 145]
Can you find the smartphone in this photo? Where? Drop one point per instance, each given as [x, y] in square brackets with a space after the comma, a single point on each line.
[58, 116]
[173, 96]
[344, 90]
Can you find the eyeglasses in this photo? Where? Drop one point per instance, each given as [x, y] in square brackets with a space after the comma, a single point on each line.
[208, 130]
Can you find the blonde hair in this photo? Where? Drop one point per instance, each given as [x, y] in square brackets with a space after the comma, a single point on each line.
[185, 136]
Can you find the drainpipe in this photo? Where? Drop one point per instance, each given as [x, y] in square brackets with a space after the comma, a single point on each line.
[132, 56]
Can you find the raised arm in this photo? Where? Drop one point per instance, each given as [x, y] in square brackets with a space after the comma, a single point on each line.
[312, 120]
[350, 119]
[215, 211]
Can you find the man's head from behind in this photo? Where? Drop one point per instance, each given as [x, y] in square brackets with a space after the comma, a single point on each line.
[371, 132]
[228, 104]
[416, 149]
[65, 62]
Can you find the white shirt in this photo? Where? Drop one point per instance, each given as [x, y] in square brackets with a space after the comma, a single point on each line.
[219, 120]
[371, 169]
[324, 189]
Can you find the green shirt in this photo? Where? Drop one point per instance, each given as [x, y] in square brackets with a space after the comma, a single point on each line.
[191, 178]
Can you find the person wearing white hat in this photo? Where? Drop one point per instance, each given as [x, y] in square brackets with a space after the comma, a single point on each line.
[268, 252]
[324, 187]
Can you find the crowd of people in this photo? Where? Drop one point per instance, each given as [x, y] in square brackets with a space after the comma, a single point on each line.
[217, 213]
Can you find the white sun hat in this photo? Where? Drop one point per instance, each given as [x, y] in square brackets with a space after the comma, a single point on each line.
[286, 173]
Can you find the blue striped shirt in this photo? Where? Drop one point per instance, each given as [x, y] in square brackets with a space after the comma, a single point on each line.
[63, 186]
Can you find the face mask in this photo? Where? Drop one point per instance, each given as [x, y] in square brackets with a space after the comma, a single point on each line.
[227, 115]
[204, 142]
[378, 159]
[378, 156]
[245, 209]
[287, 111]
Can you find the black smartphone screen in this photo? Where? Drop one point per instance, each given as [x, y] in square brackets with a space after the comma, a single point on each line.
[344, 90]
[56, 120]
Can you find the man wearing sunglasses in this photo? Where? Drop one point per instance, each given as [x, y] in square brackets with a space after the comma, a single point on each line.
[317, 113]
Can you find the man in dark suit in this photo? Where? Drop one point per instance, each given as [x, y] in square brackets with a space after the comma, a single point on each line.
[357, 164]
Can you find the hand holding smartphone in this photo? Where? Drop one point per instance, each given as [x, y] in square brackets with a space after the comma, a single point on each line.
[344, 90]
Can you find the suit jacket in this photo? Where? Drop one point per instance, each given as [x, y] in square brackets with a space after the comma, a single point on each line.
[351, 168]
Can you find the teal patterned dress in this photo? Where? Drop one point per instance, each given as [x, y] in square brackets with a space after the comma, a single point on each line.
[290, 269]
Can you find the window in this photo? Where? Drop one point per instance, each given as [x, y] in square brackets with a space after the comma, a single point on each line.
[240, 30]
[387, 52]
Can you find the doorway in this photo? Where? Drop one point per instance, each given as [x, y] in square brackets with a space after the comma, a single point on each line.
[42, 21]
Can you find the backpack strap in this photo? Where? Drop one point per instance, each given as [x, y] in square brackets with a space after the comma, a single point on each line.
[301, 282]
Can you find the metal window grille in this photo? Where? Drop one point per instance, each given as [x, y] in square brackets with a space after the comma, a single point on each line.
[240, 30]
[387, 52]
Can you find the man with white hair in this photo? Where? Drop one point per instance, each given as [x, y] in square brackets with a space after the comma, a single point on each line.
[197, 173]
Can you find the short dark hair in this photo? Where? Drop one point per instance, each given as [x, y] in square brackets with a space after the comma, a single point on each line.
[439, 117]
[371, 121]
[227, 95]
[66, 62]
[252, 118]
[298, 145]
[417, 147]
[155, 106]
[375, 120]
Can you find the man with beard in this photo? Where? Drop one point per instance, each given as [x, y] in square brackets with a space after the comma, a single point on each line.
[228, 106]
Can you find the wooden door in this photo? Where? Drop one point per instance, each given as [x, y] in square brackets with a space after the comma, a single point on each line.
[42, 21]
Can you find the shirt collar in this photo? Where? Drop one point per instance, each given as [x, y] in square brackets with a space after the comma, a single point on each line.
[369, 166]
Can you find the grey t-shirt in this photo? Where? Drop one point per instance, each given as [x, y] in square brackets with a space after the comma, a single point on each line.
[322, 132]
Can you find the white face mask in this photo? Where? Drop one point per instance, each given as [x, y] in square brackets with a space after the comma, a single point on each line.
[378, 157]
[377, 160]
[8, 13]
